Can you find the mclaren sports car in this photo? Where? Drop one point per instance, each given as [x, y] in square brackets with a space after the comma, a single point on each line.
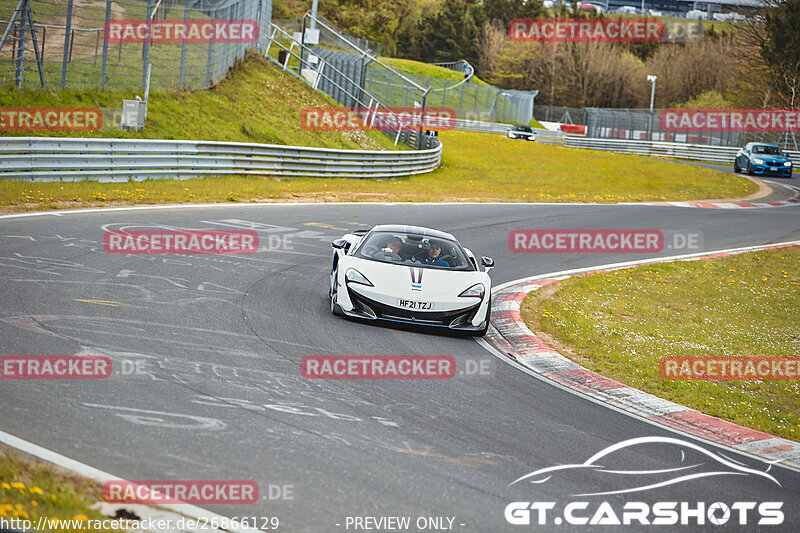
[411, 275]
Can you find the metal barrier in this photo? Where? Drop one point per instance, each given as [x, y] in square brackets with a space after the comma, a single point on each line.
[65, 159]
[498, 127]
[549, 134]
[695, 152]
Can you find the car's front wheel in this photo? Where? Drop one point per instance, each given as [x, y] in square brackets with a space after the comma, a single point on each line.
[736, 166]
[749, 169]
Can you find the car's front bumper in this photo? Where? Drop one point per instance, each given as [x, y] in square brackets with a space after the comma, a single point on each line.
[779, 170]
[460, 319]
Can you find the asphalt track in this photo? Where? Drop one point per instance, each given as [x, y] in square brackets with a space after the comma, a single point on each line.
[222, 337]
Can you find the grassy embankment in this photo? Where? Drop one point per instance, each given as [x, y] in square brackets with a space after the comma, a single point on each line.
[475, 167]
[259, 103]
[621, 323]
[31, 489]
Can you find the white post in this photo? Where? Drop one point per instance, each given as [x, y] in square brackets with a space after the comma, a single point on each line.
[652, 91]
[314, 14]
[651, 79]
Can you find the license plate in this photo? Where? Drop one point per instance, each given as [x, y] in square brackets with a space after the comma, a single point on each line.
[773, 168]
[414, 304]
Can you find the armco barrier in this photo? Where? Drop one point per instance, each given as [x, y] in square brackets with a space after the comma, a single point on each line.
[498, 127]
[68, 159]
[697, 152]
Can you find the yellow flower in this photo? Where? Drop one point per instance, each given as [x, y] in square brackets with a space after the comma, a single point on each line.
[18, 485]
[21, 514]
[5, 485]
[80, 517]
[36, 490]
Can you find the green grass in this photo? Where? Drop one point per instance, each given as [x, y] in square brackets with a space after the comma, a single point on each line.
[31, 489]
[256, 103]
[516, 171]
[622, 323]
[424, 70]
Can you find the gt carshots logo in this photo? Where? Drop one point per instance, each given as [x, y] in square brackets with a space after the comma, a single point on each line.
[614, 470]
[659, 514]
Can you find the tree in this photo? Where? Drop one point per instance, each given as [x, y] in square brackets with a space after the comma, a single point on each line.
[780, 45]
[450, 34]
[504, 62]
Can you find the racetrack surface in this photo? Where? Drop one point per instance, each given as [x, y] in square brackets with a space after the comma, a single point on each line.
[222, 396]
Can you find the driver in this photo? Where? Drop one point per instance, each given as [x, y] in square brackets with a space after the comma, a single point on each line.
[433, 256]
[393, 245]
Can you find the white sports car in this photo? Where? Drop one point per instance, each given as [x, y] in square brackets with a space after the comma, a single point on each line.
[411, 275]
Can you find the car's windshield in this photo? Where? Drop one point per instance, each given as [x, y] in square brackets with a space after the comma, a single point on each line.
[413, 249]
[522, 128]
[765, 149]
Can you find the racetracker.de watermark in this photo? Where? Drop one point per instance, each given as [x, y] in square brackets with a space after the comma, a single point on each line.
[193, 492]
[602, 30]
[366, 119]
[55, 367]
[51, 119]
[730, 368]
[601, 240]
[180, 31]
[180, 242]
[378, 367]
[729, 120]
[395, 367]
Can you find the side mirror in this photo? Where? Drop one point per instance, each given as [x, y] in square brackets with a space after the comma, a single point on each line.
[340, 244]
[487, 262]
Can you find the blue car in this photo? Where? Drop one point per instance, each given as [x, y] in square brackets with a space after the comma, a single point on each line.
[762, 159]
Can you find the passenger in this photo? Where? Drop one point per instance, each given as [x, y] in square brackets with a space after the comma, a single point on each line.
[433, 256]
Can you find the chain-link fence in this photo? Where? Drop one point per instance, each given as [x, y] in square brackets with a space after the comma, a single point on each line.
[334, 63]
[78, 44]
[361, 76]
[640, 124]
[468, 99]
[562, 114]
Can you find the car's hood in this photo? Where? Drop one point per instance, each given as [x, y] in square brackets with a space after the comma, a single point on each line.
[779, 159]
[414, 280]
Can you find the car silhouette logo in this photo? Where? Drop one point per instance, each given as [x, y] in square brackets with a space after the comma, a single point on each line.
[703, 464]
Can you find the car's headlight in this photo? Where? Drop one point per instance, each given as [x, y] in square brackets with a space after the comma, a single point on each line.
[758, 161]
[354, 276]
[476, 291]
[787, 164]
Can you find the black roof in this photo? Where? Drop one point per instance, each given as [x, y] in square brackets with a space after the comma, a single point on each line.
[428, 232]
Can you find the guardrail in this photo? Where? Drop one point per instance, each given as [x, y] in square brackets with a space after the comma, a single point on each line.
[499, 127]
[695, 152]
[68, 159]
[549, 134]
